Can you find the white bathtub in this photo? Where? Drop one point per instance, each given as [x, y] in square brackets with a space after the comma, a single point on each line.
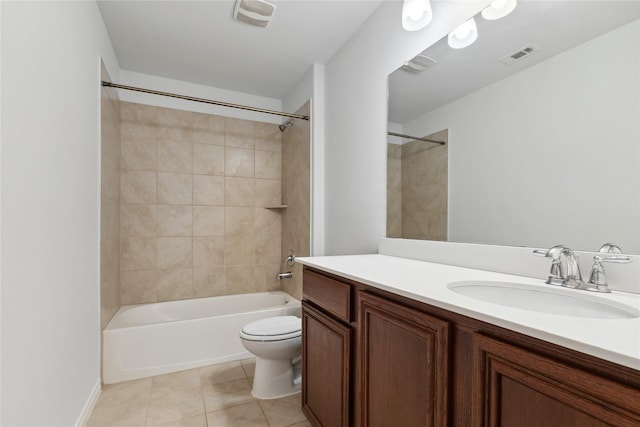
[152, 339]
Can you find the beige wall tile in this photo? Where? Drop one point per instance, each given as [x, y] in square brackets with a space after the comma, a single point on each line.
[208, 220]
[208, 251]
[109, 261]
[207, 129]
[268, 192]
[138, 220]
[268, 221]
[175, 284]
[175, 252]
[208, 159]
[175, 220]
[138, 187]
[268, 137]
[239, 221]
[238, 133]
[109, 218]
[239, 162]
[138, 119]
[239, 279]
[265, 277]
[110, 171]
[208, 282]
[138, 153]
[208, 190]
[173, 124]
[138, 253]
[175, 188]
[175, 156]
[267, 164]
[140, 286]
[238, 191]
[239, 250]
[191, 190]
[109, 302]
[267, 248]
[296, 195]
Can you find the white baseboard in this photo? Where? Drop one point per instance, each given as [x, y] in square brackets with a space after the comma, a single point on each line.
[88, 406]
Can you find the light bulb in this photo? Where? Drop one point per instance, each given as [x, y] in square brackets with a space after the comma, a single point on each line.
[464, 35]
[416, 14]
[499, 9]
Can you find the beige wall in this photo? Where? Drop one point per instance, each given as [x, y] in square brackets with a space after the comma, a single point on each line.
[109, 204]
[424, 188]
[296, 194]
[193, 193]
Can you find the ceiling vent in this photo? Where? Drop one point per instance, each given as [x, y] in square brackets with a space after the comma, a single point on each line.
[418, 64]
[254, 12]
[516, 56]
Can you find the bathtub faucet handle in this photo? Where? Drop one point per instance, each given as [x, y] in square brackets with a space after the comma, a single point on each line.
[291, 257]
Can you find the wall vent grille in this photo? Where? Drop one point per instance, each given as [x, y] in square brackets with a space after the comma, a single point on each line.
[519, 54]
[418, 64]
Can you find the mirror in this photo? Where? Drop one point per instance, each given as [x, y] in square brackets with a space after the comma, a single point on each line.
[543, 147]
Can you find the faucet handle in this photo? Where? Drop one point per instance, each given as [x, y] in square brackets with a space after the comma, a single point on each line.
[597, 278]
[610, 248]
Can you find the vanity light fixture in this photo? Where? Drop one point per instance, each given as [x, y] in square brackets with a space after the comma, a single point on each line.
[464, 35]
[499, 9]
[416, 14]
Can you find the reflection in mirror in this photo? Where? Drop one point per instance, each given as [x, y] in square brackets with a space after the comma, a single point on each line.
[417, 189]
[541, 150]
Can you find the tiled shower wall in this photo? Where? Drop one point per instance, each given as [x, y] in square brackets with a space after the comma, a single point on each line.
[422, 182]
[296, 194]
[109, 204]
[424, 188]
[194, 192]
[394, 190]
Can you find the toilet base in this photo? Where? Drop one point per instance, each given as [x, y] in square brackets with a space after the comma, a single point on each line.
[275, 378]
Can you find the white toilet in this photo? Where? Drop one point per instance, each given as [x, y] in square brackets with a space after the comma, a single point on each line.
[276, 342]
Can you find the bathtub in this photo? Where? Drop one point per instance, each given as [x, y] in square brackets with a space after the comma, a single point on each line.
[152, 339]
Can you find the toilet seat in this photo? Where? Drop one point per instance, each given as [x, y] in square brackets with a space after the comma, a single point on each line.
[273, 329]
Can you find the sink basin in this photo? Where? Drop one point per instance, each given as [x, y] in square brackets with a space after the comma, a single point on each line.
[555, 300]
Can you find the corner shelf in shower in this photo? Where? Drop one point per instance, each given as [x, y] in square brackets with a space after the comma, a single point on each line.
[276, 207]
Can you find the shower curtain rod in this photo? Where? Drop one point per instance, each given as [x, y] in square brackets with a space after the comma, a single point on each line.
[206, 101]
[401, 135]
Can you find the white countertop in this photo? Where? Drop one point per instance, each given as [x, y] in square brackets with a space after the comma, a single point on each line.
[615, 340]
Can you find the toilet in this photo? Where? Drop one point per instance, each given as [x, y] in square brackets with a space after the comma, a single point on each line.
[276, 342]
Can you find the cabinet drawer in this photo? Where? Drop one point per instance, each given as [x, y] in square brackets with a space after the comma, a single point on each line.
[330, 294]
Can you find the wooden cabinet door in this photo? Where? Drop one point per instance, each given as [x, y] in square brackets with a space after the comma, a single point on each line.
[513, 387]
[326, 368]
[404, 366]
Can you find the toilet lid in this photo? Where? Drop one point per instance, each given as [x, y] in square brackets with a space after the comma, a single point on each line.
[273, 328]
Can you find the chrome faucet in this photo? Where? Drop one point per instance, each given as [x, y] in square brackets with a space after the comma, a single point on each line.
[573, 278]
[565, 270]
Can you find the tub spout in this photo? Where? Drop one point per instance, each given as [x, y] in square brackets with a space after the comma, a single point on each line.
[287, 275]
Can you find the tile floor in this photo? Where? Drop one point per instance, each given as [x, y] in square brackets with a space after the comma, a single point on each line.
[215, 395]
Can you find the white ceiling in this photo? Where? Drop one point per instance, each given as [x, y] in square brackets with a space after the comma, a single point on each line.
[553, 25]
[200, 42]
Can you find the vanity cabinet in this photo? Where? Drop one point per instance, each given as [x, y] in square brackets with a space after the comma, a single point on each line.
[515, 387]
[374, 358]
[404, 365]
[327, 338]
